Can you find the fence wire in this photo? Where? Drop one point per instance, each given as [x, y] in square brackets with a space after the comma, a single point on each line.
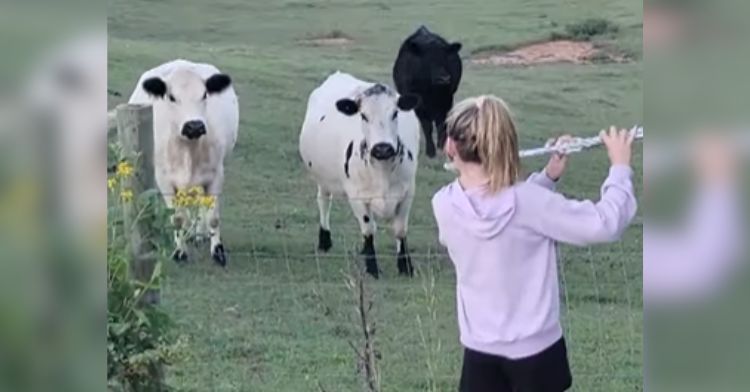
[274, 256]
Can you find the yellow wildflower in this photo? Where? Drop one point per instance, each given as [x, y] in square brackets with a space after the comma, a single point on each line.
[207, 201]
[111, 183]
[124, 169]
[126, 195]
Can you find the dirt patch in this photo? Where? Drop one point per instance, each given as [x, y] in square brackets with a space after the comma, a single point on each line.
[334, 38]
[549, 52]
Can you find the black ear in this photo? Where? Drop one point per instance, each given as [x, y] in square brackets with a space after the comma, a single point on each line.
[408, 102]
[218, 83]
[454, 47]
[347, 106]
[155, 87]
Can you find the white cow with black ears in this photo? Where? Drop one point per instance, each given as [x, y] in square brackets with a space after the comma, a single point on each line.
[361, 140]
[196, 119]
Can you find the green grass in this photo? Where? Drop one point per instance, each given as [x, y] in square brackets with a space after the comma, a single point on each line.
[280, 317]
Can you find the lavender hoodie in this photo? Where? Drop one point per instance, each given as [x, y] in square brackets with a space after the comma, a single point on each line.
[503, 247]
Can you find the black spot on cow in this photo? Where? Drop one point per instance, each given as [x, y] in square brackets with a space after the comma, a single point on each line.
[408, 153]
[322, 118]
[363, 150]
[349, 151]
[429, 67]
[366, 219]
[309, 164]
[377, 89]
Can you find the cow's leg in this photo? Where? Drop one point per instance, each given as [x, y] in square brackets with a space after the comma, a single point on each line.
[179, 220]
[440, 125]
[324, 232]
[440, 121]
[425, 120]
[400, 228]
[367, 227]
[212, 219]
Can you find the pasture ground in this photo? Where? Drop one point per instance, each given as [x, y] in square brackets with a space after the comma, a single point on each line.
[280, 318]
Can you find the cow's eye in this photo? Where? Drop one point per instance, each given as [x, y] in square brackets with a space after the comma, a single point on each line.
[364, 117]
[171, 98]
[395, 114]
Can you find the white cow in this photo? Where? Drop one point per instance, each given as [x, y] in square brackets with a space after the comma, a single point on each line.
[196, 118]
[361, 140]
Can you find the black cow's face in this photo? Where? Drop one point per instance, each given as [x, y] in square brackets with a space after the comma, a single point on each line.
[435, 60]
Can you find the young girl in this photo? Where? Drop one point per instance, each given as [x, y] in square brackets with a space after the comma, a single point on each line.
[501, 234]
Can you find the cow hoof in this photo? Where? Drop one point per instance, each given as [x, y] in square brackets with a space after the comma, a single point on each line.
[404, 266]
[430, 150]
[324, 240]
[219, 256]
[373, 272]
[179, 256]
[371, 266]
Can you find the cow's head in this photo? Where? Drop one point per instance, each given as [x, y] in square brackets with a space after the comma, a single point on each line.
[378, 108]
[436, 56]
[184, 94]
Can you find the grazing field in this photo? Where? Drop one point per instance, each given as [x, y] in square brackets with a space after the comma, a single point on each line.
[280, 317]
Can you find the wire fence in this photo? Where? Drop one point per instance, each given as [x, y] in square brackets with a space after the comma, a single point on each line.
[600, 291]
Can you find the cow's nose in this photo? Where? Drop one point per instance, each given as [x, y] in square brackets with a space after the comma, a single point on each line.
[194, 129]
[382, 151]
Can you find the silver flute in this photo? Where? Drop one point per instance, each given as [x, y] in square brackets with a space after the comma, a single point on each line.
[576, 144]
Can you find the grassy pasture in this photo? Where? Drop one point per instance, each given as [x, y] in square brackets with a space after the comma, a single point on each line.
[280, 318]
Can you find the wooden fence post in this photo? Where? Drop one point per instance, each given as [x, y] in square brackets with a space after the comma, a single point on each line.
[136, 137]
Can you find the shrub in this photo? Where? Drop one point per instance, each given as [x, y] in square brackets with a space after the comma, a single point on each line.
[139, 339]
[587, 29]
[139, 343]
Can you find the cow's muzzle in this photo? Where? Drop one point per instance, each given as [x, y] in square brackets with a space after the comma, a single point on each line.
[193, 129]
[383, 151]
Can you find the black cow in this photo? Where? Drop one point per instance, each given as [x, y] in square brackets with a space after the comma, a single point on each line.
[428, 66]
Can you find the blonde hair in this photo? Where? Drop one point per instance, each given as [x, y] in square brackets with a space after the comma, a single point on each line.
[484, 133]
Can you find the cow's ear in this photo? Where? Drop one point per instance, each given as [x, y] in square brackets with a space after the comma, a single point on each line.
[454, 47]
[218, 83]
[347, 106]
[155, 87]
[408, 102]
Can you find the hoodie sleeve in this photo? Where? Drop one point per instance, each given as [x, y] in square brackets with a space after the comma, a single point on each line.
[540, 178]
[587, 222]
[436, 205]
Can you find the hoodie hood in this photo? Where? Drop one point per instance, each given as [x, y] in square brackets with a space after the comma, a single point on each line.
[479, 212]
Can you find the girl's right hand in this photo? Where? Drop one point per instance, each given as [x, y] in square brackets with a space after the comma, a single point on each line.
[618, 144]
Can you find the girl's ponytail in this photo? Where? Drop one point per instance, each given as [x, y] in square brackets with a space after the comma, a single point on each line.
[484, 133]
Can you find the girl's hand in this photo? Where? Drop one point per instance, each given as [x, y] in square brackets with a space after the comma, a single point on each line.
[618, 144]
[557, 162]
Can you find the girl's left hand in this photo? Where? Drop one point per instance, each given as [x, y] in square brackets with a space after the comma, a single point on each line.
[556, 165]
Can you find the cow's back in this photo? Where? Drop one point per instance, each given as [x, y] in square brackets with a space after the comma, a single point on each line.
[327, 133]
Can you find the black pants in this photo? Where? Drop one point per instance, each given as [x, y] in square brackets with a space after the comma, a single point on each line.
[547, 371]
